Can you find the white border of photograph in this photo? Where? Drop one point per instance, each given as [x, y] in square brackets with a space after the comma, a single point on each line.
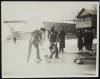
[50, 76]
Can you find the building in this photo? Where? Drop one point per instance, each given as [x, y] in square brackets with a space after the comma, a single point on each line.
[87, 19]
[68, 27]
[13, 29]
[6, 32]
[34, 23]
[22, 30]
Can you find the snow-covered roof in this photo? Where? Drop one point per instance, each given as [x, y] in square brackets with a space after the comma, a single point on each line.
[84, 12]
[33, 24]
[92, 11]
[68, 22]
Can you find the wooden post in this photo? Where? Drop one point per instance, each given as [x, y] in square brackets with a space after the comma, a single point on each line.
[12, 31]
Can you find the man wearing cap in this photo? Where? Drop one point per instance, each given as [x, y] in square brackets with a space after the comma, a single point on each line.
[86, 39]
[90, 40]
[35, 39]
[80, 40]
[61, 39]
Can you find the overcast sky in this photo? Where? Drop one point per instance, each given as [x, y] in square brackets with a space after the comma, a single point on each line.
[45, 11]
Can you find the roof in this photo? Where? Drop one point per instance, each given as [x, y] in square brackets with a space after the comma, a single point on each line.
[16, 21]
[68, 22]
[85, 12]
[33, 24]
[92, 11]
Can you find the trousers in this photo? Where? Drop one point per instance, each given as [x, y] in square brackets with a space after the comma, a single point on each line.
[54, 50]
[35, 44]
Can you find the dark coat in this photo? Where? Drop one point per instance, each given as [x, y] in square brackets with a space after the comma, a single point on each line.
[86, 38]
[80, 40]
[14, 39]
[61, 39]
[90, 38]
[53, 37]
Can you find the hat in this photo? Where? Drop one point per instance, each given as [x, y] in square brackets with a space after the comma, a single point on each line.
[42, 29]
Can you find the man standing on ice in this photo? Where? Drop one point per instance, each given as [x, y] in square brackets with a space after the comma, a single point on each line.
[52, 36]
[35, 39]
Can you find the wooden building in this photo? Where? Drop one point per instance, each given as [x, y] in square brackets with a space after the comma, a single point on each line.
[87, 19]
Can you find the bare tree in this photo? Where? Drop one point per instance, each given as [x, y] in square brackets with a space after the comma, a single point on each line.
[95, 7]
[70, 17]
[62, 18]
[73, 15]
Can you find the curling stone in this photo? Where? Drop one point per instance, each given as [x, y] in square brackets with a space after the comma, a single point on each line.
[76, 58]
[79, 61]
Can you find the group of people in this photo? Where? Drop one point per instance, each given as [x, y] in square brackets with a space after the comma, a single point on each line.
[85, 39]
[36, 37]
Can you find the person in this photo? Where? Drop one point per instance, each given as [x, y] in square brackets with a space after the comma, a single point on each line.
[52, 36]
[14, 40]
[80, 40]
[61, 39]
[86, 39]
[49, 31]
[35, 39]
[90, 40]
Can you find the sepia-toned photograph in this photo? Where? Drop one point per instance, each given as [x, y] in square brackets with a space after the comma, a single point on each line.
[49, 39]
